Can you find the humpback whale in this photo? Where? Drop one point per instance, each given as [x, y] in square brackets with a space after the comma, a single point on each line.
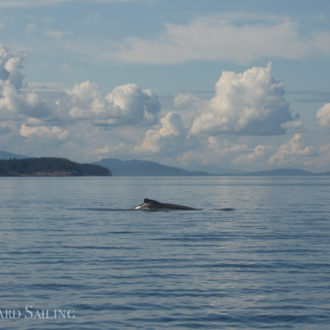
[152, 205]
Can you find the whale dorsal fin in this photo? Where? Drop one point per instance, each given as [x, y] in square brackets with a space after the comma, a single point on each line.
[146, 200]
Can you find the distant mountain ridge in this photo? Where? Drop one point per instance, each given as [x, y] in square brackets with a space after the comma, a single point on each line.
[281, 172]
[149, 168]
[144, 168]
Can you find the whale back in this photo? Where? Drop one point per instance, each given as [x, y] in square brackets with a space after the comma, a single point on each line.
[151, 204]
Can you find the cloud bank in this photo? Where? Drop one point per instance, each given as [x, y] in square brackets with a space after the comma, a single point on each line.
[228, 130]
[35, 115]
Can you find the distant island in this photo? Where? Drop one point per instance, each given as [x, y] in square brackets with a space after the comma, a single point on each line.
[144, 168]
[49, 166]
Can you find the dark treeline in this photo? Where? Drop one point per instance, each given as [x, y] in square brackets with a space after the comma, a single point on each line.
[49, 166]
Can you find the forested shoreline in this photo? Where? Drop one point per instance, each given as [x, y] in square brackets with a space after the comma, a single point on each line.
[49, 166]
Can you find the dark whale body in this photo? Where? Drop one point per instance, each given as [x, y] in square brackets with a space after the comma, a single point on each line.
[152, 205]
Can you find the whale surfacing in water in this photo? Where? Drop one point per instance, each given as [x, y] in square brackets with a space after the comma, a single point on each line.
[152, 205]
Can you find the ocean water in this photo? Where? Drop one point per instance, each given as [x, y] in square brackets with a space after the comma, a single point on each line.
[74, 255]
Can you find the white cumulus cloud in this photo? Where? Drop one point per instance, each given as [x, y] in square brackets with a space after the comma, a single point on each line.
[214, 152]
[323, 116]
[86, 101]
[259, 153]
[170, 134]
[294, 152]
[44, 132]
[135, 104]
[15, 102]
[10, 66]
[126, 104]
[248, 103]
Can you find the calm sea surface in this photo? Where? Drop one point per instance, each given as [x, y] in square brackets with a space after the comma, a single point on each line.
[73, 255]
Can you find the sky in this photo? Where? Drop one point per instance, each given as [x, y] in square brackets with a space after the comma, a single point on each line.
[217, 85]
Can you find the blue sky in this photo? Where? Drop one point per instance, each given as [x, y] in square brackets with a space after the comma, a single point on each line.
[217, 85]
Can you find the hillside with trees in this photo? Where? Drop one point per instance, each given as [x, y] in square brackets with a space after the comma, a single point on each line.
[49, 166]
